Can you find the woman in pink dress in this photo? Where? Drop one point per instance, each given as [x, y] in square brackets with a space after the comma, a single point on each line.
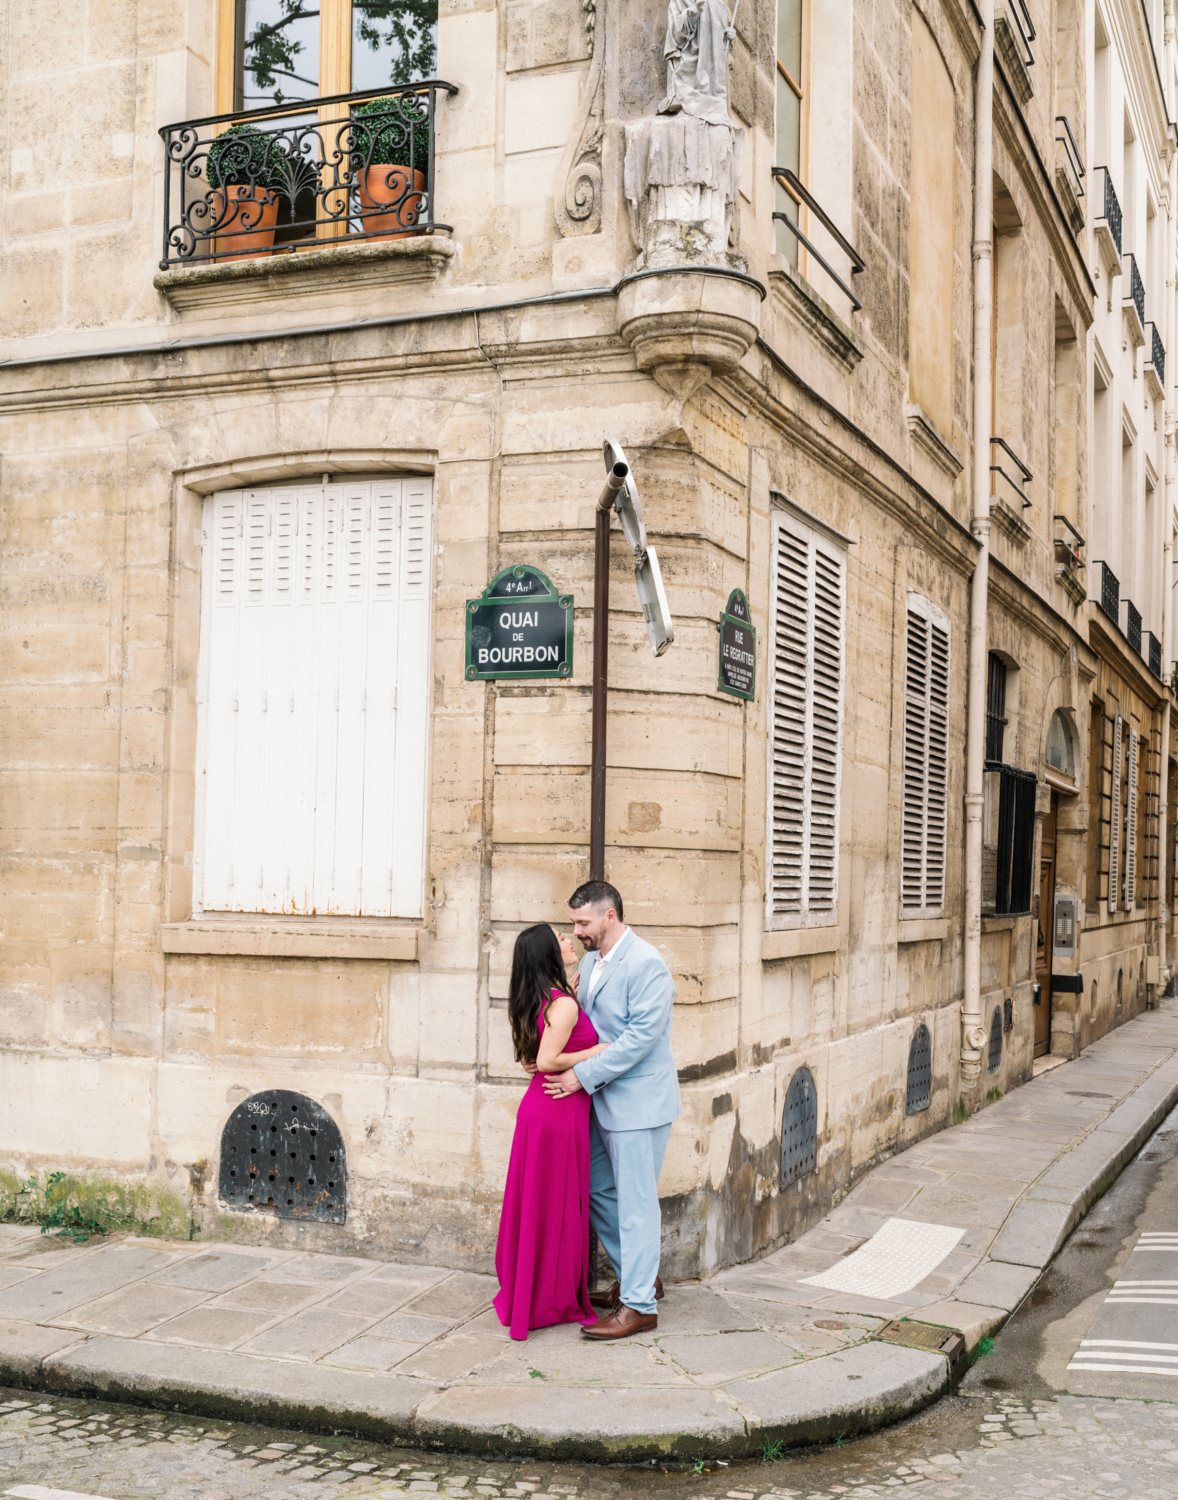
[542, 1258]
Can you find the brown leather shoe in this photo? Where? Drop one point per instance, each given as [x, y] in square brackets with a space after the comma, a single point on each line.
[622, 1323]
[613, 1298]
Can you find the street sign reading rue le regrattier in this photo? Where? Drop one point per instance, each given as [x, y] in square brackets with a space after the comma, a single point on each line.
[738, 649]
[519, 627]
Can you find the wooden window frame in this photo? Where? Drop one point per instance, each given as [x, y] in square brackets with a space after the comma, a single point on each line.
[335, 51]
[801, 91]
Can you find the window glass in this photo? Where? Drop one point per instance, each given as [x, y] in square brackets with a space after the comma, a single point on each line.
[393, 41]
[280, 52]
[1059, 753]
[789, 115]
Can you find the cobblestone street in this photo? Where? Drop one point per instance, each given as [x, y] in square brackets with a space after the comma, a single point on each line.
[967, 1446]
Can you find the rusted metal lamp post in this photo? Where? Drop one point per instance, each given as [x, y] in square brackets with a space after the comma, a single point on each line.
[620, 494]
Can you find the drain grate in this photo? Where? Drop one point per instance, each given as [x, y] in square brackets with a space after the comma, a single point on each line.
[283, 1153]
[913, 1335]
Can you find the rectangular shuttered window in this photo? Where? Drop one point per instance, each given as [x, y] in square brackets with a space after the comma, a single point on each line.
[806, 714]
[1131, 822]
[1114, 847]
[926, 760]
[313, 700]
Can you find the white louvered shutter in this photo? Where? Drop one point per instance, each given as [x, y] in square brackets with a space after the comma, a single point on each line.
[806, 710]
[924, 815]
[1114, 831]
[311, 738]
[1131, 822]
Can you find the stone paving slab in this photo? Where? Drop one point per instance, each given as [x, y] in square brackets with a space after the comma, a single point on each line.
[416, 1353]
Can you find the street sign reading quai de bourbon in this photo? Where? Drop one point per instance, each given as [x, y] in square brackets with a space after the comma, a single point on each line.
[519, 627]
[738, 649]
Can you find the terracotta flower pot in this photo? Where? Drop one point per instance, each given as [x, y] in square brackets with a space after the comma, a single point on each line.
[250, 217]
[397, 190]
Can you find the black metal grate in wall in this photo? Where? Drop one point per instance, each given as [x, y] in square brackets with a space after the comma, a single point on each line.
[799, 1128]
[920, 1071]
[282, 1152]
[994, 1057]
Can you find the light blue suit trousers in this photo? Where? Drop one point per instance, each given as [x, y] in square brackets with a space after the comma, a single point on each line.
[630, 1231]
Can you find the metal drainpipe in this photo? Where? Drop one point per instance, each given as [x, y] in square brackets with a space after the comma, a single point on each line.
[1169, 491]
[973, 1033]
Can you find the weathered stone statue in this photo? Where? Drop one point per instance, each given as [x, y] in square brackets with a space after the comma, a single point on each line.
[683, 164]
[698, 38]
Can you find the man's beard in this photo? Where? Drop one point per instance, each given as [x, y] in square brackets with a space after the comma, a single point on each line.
[590, 944]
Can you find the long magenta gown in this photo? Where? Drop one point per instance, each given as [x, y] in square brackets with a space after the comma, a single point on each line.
[542, 1258]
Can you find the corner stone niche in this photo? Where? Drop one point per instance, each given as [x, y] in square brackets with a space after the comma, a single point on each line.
[282, 1153]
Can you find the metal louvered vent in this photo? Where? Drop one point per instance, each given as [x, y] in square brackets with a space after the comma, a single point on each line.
[994, 1056]
[920, 1071]
[799, 1128]
[282, 1152]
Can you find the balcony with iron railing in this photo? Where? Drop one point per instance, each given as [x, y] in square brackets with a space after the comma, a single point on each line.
[1069, 564]
[1133, 302]
[348, 169]
[1132, 625]
[1069, 172]
[795, 197]
[1014, 32]
[1155, 655]
[1107, 224]
[1109, 597]
[1155, 362]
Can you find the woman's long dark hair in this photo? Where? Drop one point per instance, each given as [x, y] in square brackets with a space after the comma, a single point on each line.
[537, 969]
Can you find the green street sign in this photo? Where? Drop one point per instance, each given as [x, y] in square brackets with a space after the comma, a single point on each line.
[519, 627]
[738, 649]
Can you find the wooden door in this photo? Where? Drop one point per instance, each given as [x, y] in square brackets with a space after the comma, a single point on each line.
[1045, 927]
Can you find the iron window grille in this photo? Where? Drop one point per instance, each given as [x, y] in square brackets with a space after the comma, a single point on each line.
[799, 1128]
[1015, 843]
[1110, 593]
[1136, 288]
[994, 1052]
[920, 1071]
[792, 184]
[1007, 468]
[1112, 208]
[1072, 153]
[1133, 625]
[1155, 655]
[1157, 352]
[995, 707]
[308, 159]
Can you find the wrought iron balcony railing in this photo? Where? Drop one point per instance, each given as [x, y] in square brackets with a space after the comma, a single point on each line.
[1111, 208]
[1157, 352]
[350, 167]
[1009, 475]
[1136, 289]
[1133, 625]
[792, 184]
[1110, 593]
[1155, 655]
[1068, 544]
[1071, 155]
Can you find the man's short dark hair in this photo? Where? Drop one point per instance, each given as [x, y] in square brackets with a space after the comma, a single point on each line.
[598, 893]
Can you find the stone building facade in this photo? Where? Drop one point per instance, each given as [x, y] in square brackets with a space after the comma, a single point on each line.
[261, 830]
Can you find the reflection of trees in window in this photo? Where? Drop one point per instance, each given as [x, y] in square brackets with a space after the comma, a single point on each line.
[393, 41]
[281, 51]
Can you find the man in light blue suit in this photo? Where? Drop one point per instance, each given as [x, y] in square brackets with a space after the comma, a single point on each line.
[626, 990]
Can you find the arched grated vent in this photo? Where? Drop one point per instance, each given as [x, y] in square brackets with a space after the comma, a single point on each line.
[281, 1151]
[994, 1056]
[799, 1128]
[920, 1071]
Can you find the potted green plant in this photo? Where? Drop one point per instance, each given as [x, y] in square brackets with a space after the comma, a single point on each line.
[244, 199]
[390, 149]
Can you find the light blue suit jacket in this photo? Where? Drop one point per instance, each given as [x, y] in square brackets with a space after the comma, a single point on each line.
[635, 1085]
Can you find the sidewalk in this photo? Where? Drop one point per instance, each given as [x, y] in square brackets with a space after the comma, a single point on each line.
[955, 1230]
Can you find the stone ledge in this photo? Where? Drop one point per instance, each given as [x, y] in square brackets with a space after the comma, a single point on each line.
[305, 273]
[814, 312]
[928, 436]
[924, 930]
[283, 938]
[1007, 519]
[801, 942]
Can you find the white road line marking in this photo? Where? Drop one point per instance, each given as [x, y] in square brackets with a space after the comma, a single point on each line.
[1154, 1301]
[1149, 1359]
[1147, 1283]
[1123, 1344]
[1125, 1369]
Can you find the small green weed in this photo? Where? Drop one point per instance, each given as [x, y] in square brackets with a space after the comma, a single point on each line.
[698, 1467]
[960, 1112]
[537, 1374]
[985, 1346]
[773, 1453]
[63, 1219]
[841, 1440]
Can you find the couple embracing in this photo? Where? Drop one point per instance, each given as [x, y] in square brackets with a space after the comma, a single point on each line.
[593, 1127]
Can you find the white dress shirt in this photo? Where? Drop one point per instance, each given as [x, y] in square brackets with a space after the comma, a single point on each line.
[597, 978]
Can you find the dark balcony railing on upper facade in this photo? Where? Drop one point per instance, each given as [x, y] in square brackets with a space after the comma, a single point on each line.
[1110, 592]
[1136, 287]
[1157, 352]
[350, 167]
[1071, 153]
[792, 184]
[1155, 655]
[1133, 625]
[1111, 210]
[1009, 475]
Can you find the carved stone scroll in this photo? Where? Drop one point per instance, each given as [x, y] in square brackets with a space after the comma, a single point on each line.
[578, 200]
